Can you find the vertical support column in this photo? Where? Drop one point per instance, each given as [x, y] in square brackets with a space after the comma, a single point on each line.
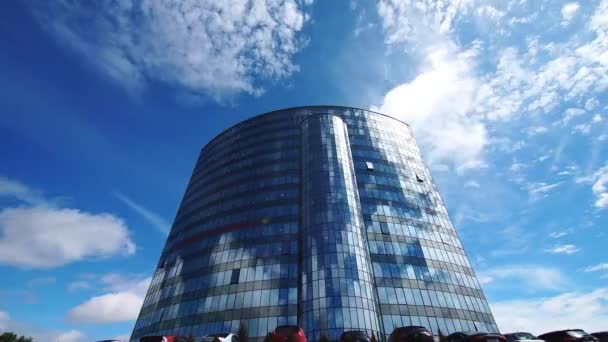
[336, 277]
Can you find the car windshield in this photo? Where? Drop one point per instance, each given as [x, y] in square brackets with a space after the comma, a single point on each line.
[577, 333]
[524, 336]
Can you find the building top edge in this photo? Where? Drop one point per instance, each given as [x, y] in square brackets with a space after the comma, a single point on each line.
[297, 108]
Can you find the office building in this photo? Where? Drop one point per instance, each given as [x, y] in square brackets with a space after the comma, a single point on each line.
[321, 216]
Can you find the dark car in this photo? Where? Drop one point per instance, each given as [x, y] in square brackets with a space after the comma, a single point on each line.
[355, 336]
[569, 335]
[475, 336]
[601, 335]
[411, 334]
[521, 337]
[282, 332]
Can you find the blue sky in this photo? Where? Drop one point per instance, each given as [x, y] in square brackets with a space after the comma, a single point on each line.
[104, 110]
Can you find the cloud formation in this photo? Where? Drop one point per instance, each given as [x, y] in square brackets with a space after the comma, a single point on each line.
[121, 303]
[585, 310]
[539, 80]
[41, 235]
[437, 103]
[212, 47]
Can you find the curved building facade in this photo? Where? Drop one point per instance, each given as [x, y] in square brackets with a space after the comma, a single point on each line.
[323, 216]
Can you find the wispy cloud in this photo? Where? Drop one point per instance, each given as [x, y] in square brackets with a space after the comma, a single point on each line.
[15, 189]
[599, 187]
[535, 277]
[557, 235]
[154, 219]
[540, 189]
[215, 48]
[563, 249]
[598, 267]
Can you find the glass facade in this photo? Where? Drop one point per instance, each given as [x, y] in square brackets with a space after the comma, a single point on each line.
[321, 216]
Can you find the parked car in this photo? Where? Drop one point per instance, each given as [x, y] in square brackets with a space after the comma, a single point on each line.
[280, 333]
[411, 334]
[522, 336]
[475, 336]
[355, 336]
[601, 335]
[568, 335]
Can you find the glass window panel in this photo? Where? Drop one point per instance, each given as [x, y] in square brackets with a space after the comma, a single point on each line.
[400, 296]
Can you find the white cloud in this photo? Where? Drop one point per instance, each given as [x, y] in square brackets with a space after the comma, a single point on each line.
[79, 285]
[122, 303]
[43, 237]
[471, 184]
[39, 235]
[557, 235]
[39, 334]
[568, 171]
[563, 249]
[15, 189]
[569, 114]
[599, 187]
[582, 128]
[532, 131]
[112, 307]
[585, 310]
[214, 47]
[591, 104]
[70, 336]
[417, 22]
[568, 12]
[436, 104]
[154, 219]
[465, 102]
[533, 277]
[540, 189]
[598, 267]
[516, 167]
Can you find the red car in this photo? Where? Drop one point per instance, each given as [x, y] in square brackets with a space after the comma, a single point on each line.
[282, 332]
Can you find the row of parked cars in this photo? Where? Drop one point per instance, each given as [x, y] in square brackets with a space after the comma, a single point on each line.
[294, 333]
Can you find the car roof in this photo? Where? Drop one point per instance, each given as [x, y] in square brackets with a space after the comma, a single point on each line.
[519, 332]
[561, 331]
